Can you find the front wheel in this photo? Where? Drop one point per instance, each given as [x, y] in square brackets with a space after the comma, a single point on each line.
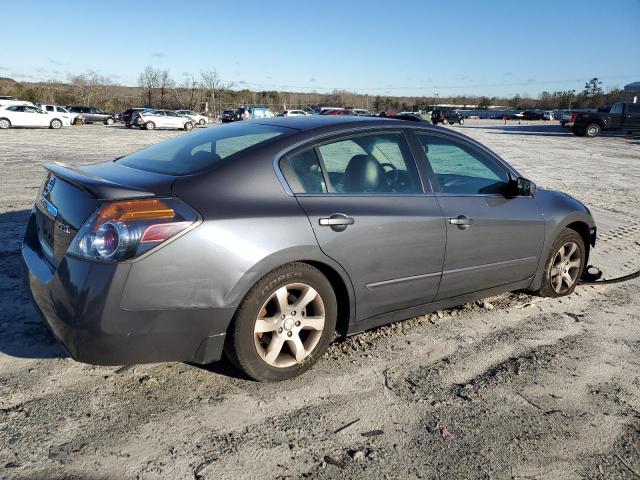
[109, 121]
[188, 126]
[564, 265]
[284, 325]
[149, 126]
[55, 124]
[461, 121]
[445, 121]
[592, 130]
[202, 122]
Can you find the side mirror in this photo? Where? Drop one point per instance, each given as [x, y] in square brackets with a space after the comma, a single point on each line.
[520, 187]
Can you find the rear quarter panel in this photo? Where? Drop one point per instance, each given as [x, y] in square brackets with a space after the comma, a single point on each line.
[250, 226]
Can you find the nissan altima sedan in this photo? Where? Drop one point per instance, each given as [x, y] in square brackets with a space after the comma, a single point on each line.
[262, 239]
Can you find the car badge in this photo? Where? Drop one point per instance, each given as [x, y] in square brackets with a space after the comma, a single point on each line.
[63, 228]
[49, 186]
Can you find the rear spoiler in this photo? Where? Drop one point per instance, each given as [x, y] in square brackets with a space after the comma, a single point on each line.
[100, 188]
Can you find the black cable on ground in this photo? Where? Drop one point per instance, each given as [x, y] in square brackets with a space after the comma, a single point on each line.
[592, 275]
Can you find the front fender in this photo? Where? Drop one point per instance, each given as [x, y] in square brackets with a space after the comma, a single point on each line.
[559, 210]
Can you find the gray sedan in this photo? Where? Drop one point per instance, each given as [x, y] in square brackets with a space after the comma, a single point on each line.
[262, 239]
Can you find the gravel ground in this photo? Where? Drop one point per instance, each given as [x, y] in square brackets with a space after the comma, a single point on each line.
[515, 387]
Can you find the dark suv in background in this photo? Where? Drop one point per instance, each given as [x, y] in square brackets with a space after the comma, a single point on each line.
[93, 115]
[446, 116]
[129, 114]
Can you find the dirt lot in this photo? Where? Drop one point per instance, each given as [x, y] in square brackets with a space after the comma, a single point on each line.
[520, 387]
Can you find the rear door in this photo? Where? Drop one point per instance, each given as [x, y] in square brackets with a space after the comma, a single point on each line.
[492, 240]
[372, 213]
[35, 117]
[632, 116]
[173, 119]
[617, 116]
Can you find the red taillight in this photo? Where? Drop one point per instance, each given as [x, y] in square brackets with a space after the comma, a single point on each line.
[573, 117]
[126, 229]
[162, 231]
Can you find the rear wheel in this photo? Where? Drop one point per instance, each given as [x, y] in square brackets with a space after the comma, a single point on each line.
[461, 122]
[564, 266]
[55, 124]
[592, 130]
[445, 121]
[149, 126]
[5, 123]
[202, 122]
[284, 324]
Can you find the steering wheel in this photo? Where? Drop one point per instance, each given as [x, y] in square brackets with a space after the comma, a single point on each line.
[392, 174]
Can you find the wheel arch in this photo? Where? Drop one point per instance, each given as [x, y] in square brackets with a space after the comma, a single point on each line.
[335, 274]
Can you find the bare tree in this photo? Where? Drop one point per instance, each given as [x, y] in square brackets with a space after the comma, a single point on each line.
[164, 83]
[89, 88]
[148, 81]
[212, 83]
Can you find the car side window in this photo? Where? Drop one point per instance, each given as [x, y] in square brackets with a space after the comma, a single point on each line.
[370, 163]
[461, 169]
[50, 108]
[303, 173]
[617, 108]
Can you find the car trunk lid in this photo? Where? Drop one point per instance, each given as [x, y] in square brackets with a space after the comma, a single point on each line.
[70, 194]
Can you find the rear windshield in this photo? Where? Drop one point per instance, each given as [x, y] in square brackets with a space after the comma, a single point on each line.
[197, 151]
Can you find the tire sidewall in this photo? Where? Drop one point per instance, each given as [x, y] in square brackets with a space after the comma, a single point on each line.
[566, 235]
[241, 346]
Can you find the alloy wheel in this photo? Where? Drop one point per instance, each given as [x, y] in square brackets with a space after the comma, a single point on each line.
[4, 123]
[565, 267]
[289, 325]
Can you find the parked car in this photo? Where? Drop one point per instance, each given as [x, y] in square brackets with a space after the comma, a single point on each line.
[446, 117]
[548, 115]
[293, 113]
[6, 101]
[93, 115]
[532, 115]
[128, 115]
[565, 118]
[152, 119]
[69, 118]
[197, 118]
[338, 111]
[30, 116]
[256, 238]
[621, 116]
[361, 112]
[228, 116]
[322, 110]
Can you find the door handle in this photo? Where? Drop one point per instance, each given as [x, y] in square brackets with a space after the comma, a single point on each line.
[462, 221]
[338, 222]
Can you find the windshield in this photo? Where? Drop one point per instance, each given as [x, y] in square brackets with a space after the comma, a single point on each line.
[197, 151]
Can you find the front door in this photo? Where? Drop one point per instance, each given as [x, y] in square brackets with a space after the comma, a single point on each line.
[365, 201]
[492, 240]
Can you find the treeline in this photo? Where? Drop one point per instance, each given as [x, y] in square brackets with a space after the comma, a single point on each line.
[157, 89]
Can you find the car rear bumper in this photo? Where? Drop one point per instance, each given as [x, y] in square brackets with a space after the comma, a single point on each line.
[80, 301]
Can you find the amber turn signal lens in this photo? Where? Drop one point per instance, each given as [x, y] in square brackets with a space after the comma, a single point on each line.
[133, 210]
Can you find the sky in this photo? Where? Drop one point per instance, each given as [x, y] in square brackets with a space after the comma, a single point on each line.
[401, 47]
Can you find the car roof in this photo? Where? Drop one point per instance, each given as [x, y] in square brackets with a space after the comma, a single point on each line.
[313, 122]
